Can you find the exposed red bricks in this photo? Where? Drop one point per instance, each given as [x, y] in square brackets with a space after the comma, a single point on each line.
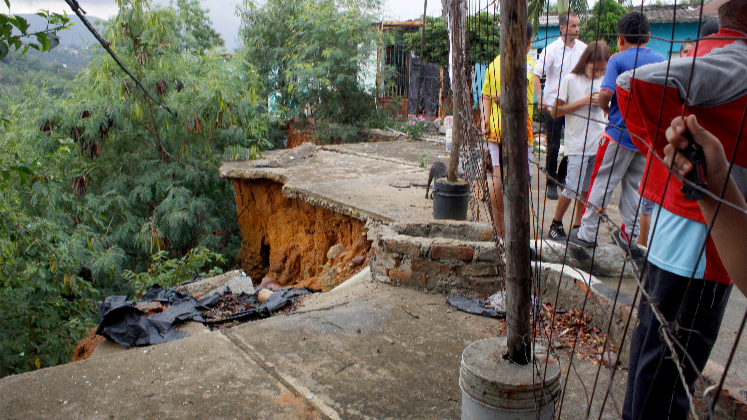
[455, 252]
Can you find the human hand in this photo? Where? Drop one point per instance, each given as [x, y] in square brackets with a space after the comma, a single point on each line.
[594, 99]
[715, 158]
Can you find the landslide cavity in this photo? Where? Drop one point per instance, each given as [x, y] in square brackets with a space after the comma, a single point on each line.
[288, 239]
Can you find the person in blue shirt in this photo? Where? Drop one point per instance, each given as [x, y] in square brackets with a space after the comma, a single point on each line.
[618, 160]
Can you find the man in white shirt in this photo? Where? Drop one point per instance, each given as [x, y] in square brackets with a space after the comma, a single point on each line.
[555, 61]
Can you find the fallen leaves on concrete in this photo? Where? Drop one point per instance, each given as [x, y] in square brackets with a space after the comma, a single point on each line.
[569, 327]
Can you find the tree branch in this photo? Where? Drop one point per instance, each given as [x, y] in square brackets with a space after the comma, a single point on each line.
[74, 5]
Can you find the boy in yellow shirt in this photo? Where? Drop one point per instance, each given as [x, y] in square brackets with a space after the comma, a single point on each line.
[490, 122]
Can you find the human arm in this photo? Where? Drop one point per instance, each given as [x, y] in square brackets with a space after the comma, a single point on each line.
[605, 96]
[728, 232]
[561, 108]
[485, 105]
[538, 94]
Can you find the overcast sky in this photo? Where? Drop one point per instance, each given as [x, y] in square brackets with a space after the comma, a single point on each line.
[222, 12]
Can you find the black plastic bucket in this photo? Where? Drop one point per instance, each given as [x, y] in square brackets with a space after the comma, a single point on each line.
[450, 201]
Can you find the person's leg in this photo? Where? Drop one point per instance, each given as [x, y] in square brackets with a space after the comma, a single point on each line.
[574, 182]
[586, 170]
[656, 391]
[496, 200]
[638, 339]
[580, 209]
[629, 197]
[563, 204]
[496, 189]
[554, 128]
[609, 168]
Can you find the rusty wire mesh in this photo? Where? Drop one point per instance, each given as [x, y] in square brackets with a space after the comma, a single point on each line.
[671, 333]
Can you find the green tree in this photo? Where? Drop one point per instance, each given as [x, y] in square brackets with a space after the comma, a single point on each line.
[196, 27]
[311, 54]
[436, 45]
[601, 23]
[97, 182]
[483, 39]
[14, 32]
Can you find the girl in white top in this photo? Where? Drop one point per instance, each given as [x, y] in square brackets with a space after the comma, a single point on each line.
[578, 100]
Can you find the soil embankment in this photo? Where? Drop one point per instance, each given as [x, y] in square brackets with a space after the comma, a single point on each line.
[289, 239]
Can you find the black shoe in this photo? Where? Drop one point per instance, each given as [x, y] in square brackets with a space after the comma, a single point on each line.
[557, 232]
[635, 252]
[552, 192]
[574, 239]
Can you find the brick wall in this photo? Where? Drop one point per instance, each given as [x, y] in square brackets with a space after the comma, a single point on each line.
[447, 257]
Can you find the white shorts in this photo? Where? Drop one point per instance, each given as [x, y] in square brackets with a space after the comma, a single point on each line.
[494, 149]
[579, 167]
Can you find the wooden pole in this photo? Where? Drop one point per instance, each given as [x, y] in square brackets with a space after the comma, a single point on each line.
[457, 16]
[422, 61]
[516, 170]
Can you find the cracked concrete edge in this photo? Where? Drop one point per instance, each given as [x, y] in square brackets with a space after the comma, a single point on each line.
[298, 192]
[334, 149]
[287, 381]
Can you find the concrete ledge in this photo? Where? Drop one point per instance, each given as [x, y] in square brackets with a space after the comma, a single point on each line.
[608, 257]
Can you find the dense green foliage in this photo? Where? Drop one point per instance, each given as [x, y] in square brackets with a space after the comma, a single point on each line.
[483, 39]
[601, 23]
[15, 32]
[436, 43]
[17, 69]
[311, 56]
[102, 192]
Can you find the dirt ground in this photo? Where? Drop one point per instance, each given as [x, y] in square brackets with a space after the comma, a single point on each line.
[86, 346]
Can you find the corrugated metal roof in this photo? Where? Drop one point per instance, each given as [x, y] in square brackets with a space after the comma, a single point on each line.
[401, 24]
[655, 14]
[685, 13]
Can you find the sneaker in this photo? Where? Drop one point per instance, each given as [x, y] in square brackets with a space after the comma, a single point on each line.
[623, 241]
[557, 232]
[574, 239]
[552, 192]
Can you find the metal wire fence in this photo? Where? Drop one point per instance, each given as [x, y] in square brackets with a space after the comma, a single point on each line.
[676, 330]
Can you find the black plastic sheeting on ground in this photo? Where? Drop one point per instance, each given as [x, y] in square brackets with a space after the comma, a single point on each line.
[476, 307]
[121, 322]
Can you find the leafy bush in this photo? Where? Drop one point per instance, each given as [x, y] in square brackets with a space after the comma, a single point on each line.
[602, 19]
[172, 272]
[311, 55]
[415, 127]
[99, 185]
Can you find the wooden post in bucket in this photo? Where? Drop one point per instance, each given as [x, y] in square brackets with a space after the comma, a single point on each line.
[516, 170]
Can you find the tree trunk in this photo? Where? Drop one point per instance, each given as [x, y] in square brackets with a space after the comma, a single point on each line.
[459, 87]
[514, 142]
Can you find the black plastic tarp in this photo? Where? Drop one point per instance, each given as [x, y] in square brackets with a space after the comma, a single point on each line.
[475, 306]
[122, 322]
[431, 87]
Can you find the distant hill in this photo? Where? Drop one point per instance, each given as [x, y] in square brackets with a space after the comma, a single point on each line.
[72, 52]
[78, 36]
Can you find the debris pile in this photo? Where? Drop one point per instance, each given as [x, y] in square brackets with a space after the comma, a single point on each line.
[568, 328]
[229, 298]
